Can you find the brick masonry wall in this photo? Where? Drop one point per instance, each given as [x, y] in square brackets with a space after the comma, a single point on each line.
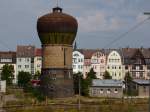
[54, 56]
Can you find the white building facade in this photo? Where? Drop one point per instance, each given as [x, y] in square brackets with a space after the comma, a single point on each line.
[25, 59]
[10, 59]
[98, 63]
[114, 65]
[37, 61]
[77, 62]
[24, 64]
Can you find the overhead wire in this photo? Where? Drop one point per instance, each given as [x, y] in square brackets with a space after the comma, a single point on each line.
[127, 32]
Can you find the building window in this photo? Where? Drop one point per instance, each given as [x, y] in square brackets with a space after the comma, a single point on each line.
[108, 91]
[148, 67]
[78, 60]
[112, 67]
[94, 91]
[126, 67]
[74, 66]
[26, 66]
[39, 59]
[27, 59]
[20, 59]
[141, 74]
[101, 91]
[19, 66]
[119, 67]
[78, 66]
[108, 67]
[134, 67]
[6, 60]
[38, 65]
[141, 67]
[102, 61]
[116, 91]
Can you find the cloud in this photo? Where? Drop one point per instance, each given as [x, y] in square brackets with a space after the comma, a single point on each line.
[99, 21]
[99, 18]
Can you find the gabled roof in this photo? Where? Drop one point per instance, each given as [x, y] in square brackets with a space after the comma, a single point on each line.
[107, 83]
[38, 52]
[145, 52]
[6, 55]
[25, 51]
[128, 52]
[88, 52]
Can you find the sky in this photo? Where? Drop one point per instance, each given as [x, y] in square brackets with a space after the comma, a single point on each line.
[100, 22]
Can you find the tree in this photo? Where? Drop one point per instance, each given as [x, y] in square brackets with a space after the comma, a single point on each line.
[36, 75]
[7, 73]
[91, 74]
[128, 79]
[24, 79]
[84, 83]
[107, 75]
[76, 77]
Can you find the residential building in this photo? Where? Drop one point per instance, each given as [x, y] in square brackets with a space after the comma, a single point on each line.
[87, 60]
[37, 60]
[10, 59]
[114, 64]
[136, 62]
[98, 63]
[140, 87]
[146, 54]
[77, 62]
[106, 88]
[25, 59]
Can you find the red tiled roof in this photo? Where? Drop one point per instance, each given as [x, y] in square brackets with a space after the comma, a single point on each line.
[7, 54]
[38, 52]
[25, 51]
[88, 52]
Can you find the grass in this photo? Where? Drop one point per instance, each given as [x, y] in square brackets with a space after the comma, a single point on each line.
[90, 104]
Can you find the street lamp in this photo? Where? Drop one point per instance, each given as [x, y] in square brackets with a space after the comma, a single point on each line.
[148, 13]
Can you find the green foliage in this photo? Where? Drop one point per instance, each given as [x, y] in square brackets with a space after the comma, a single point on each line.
[128, 77]
[37, 75]
[128, 80]
[38, 94]
[76, 81]
[107, 75]
[91, 74]
[24, 79]
[85, 83]
[7, 73]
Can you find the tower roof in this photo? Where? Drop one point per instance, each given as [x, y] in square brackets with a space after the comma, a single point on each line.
[57, 27]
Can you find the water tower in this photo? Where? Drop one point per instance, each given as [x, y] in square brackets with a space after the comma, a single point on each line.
[57, 32]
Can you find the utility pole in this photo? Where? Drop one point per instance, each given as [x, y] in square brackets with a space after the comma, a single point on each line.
[79, 102]
[148, 13]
